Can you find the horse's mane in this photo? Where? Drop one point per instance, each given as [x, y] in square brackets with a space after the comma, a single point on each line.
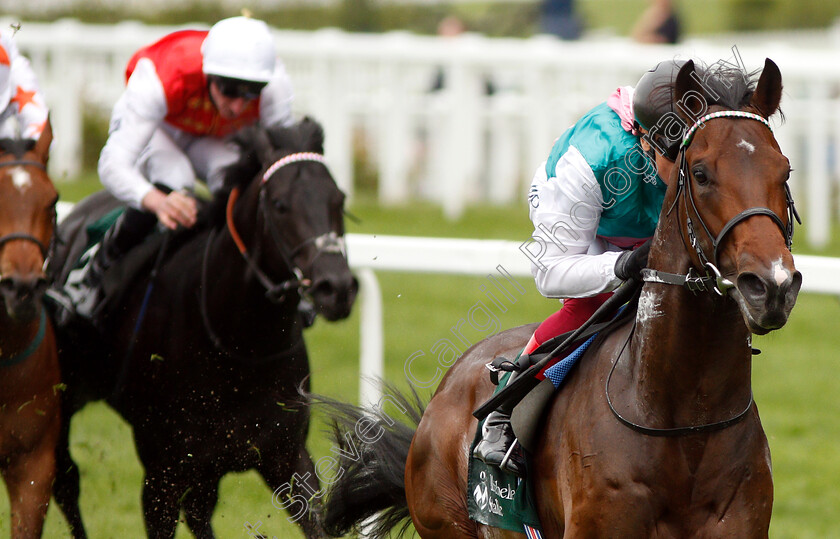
[723, 84]
[259, 148]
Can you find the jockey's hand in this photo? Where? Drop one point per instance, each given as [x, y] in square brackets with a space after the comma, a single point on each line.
[631, 263]
[172, 210]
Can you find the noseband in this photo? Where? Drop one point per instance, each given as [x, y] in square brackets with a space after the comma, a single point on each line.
[45, 250]
[713, 280]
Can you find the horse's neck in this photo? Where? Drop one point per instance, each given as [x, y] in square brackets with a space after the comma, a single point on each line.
[688, 348]
[15, 335]
[243, 294]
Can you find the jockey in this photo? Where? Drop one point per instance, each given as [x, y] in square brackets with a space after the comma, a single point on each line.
[185, 94]
[24, 111]
[595, 203]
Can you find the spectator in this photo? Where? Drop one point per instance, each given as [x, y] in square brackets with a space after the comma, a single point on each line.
[658, 23]
[450, 27]
[558, 18]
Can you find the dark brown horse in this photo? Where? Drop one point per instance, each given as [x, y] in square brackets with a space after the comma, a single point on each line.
[208, 379]
[655, 434]
[29, 373]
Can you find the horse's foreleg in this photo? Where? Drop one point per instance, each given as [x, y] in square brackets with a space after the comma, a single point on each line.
[199, 504]
[66, 486]
[160, 503]
[296, 489]
[29, 479]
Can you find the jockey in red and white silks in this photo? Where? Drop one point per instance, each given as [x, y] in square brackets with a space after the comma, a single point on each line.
[24, 110]
[180, 102]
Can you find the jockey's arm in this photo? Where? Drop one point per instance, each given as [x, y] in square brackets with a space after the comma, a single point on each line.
[32, 108]
[137, 114]
[566, 211]
[276, 99]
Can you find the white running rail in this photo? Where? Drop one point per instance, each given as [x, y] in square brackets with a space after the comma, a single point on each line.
[371, 253]
[456, 146]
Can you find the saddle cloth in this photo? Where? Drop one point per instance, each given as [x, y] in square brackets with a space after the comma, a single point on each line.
[501, 499]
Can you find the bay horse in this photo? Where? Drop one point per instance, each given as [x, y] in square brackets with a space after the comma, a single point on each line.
[29, 370]
[209, 378]
[655, 433]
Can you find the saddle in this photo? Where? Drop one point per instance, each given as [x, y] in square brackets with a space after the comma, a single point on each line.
[501, 499]
[84, 231]
[527, 415]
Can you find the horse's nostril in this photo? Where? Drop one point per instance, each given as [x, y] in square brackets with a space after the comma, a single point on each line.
[752, 287]
[322, 288]
[793, 284]
[791, 289]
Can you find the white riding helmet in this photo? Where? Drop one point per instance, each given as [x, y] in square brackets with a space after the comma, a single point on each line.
[239, 48]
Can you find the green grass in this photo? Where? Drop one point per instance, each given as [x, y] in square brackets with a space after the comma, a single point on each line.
[793, 384]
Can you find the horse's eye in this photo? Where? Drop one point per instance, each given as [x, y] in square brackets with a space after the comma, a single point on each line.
[281, 206]
[700, 175]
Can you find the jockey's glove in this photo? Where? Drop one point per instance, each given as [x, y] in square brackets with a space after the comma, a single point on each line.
[631, 263]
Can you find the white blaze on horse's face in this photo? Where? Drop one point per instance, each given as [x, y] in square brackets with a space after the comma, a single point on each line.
[780, 272]
[21, 179]
[649, 307]
[747, 146]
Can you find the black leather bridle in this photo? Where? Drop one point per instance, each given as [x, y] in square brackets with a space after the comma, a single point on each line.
[712, 280]
[329, 242]
[45, 250]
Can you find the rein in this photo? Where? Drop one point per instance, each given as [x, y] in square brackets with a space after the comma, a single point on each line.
[673, 431]
[713, 280]
[329, 242]
[31, 347]
[275, 292]
[217, 341]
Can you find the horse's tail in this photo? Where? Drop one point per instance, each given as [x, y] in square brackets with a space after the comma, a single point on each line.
[372, 449]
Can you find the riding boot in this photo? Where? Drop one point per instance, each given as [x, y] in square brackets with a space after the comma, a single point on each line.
[84, 285]
[498, 445]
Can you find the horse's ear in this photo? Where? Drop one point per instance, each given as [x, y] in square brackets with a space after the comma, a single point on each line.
[263, 146]
[42, 147]
[768, 91]
[313, 134]
[689, 97]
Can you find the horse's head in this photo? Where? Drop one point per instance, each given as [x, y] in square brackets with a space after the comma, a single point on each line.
[733, 201]
[302, 211]
[27, 223]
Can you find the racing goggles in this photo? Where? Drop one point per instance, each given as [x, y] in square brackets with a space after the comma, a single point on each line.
[236, 88]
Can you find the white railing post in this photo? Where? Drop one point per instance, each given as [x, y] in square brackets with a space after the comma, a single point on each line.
[371, 339]
[377, 86]
[395, 134]
[819, 197]
[504, 136]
